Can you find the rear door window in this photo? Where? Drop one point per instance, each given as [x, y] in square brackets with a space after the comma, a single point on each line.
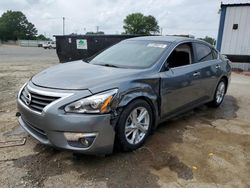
[203, 52]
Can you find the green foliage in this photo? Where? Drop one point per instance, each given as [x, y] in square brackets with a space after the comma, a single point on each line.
[137, 23]
[208, 39]
[95, 33]
[14, 25]
[42, 37]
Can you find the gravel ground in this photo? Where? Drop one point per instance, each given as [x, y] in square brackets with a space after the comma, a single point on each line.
[204, 148]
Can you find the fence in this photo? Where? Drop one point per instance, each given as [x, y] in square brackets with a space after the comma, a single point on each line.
[31, 43]
[10, 42]
[24, 43]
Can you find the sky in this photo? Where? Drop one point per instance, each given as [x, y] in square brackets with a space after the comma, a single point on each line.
[195, 17]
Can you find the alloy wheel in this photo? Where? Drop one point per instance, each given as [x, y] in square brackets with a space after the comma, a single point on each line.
[220, 92]
[137, 125]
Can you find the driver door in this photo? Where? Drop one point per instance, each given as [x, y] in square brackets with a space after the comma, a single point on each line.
[180, 81]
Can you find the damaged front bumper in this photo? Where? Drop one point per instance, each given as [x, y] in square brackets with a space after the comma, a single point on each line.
[83, 133]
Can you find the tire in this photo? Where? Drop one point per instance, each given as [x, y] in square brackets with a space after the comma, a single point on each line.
[219, 94]
[129, 127]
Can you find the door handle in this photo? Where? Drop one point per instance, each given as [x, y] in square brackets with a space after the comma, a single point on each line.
[217, 66]
[196, 74]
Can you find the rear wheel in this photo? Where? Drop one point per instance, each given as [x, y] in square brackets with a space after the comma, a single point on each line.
[134, 125]
[219, 94]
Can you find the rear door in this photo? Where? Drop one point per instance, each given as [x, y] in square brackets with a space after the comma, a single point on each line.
[206, 59]
[180, 83]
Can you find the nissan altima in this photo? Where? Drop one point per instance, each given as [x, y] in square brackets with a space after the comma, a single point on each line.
[122, 94]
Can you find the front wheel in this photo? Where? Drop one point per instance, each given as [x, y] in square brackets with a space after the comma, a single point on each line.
[134, 125]
[219, 94]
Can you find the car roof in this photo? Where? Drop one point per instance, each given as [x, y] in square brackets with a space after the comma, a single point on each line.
[167, 38]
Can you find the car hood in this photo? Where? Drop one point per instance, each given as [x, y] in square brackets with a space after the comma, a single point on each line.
[79, 75]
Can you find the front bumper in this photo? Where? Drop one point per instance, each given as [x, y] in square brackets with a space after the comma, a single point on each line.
[49, 127]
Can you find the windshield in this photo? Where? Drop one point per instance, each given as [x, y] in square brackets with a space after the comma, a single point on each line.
[131, 54]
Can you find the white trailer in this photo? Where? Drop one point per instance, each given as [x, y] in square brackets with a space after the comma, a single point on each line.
[234, 32]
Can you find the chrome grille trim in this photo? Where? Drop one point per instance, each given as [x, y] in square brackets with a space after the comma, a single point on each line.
[38, 101]
[41, 100]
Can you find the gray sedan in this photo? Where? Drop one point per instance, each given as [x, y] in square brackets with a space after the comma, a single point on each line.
[122, 94]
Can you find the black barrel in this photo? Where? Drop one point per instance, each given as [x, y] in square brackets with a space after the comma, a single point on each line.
[75, 47]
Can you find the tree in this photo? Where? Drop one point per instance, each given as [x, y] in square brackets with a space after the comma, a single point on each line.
[208, 39]
[42, 37]
[137, 23]
[95, 33]
[14, 25]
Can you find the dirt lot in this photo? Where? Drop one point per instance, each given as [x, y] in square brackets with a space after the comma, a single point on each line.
[204, 148]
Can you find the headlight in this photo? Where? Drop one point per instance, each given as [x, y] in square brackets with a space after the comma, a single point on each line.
[99, 103]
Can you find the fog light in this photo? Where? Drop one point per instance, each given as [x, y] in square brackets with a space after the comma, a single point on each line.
[82, 140]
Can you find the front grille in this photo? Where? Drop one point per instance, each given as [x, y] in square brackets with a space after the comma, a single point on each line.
[35, 101]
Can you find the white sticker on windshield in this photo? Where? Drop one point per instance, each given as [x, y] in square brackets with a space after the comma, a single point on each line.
[157, 45]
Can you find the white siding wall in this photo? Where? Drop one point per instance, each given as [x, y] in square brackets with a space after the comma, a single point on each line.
[236, 42]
